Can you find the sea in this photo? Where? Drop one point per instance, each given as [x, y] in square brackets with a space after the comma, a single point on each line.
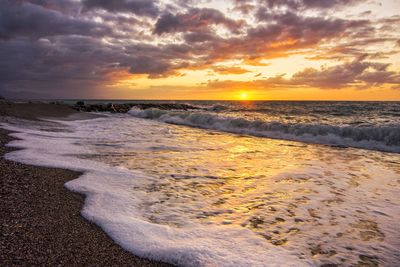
[235, 183]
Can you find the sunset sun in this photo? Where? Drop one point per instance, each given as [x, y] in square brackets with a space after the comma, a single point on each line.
[244, 96]
[201, 133]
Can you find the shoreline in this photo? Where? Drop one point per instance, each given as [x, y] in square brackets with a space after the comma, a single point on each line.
[40, 220]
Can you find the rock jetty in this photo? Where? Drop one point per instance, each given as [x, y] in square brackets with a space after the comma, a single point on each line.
[124, 108]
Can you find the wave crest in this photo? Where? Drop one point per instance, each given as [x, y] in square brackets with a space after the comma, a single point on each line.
[384, 138]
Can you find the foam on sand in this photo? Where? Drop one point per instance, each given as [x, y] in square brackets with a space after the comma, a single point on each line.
[201, 198]
[118, 211]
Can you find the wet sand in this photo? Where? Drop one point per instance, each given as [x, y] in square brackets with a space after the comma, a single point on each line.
[40, 221]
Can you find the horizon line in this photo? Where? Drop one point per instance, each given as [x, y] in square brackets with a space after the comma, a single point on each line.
[236, 100]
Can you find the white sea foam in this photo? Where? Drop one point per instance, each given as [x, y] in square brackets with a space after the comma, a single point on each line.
[384, 138]
[118, 211]
[197, 198]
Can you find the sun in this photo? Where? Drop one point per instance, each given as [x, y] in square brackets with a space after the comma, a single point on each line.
[244, 96]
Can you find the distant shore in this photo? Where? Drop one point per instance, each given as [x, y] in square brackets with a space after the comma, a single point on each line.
[40, 219]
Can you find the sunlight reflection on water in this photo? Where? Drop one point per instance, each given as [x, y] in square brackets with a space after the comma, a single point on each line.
[334, 205]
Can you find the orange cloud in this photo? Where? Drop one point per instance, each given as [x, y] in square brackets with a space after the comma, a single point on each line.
[229, 70]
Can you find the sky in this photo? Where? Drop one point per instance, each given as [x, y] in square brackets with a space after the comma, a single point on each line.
[200, 49]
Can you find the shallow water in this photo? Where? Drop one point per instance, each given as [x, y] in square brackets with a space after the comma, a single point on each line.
[200, 197]
[369, 125]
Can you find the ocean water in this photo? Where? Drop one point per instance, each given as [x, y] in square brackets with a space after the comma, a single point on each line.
[236, 183]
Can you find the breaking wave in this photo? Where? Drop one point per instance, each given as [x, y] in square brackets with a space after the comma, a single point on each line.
[383, 138]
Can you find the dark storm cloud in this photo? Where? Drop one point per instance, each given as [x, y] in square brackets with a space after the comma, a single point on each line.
[138, 7]
[26, 19]
[247, 6]
[57, 59]
[299, 26]
[63, 66]
[200, 37]
[44, 68]
[65, 6]
[68, 47]
[276, 36]
[195, 20]
[157, 61]
[150, 65]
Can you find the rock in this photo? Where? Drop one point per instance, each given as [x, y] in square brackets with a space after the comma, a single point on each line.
[124, 108]
[256, 221]
[279, 242]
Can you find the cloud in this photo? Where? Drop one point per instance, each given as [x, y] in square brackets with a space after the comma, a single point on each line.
[310, 29]
[200, 37]
[149, 65]
[137, 7]
[358, 73]
[71, 7]
[71, 47]
[229, 70]
[26, 19]
[195, 20]
[56, 61]
[332, 77]
[355, 73]
[278, 35]
[309, 4]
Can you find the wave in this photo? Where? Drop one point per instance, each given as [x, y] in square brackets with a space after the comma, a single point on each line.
[117, 197]
[382, 138]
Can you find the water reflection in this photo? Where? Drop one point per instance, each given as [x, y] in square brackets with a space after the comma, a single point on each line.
[333, 205]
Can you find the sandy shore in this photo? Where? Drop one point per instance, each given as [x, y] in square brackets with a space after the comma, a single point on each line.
[40, 220]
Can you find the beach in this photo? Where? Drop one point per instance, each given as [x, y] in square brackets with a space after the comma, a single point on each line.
[40, 219]
[213, 133]
[221, 184]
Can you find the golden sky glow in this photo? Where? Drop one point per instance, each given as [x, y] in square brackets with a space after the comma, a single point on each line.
[244, 96]
[208, 49]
